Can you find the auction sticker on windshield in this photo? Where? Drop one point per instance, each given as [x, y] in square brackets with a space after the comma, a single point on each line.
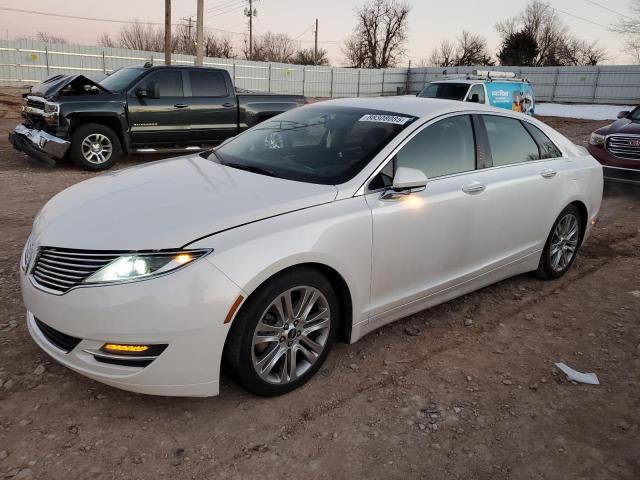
[385, 119]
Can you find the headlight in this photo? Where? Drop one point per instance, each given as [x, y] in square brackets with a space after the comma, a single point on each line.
[27, 252]
[51, 107]
[596, 139]
[144, 265]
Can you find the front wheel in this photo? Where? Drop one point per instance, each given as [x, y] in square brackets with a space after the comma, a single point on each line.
[284, 332]
[95, 147]
[562, 244]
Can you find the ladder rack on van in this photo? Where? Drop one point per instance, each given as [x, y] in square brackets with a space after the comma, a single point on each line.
[485, 75]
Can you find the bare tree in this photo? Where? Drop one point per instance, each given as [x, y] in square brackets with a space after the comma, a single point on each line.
[555, 44]
[106, 40]
[47, 37]
[629, 28]
[544, 24]
[468, 49]
[472, 50]
[272, 47]
[443, 55]
[581, 52]
[380, 35]
[306, 56]
[139, 36]
[355, 52]
[146, 37]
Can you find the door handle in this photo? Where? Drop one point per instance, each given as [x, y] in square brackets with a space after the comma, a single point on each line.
[228, 105]
[473, 188]
[181, 105]
[548, 173]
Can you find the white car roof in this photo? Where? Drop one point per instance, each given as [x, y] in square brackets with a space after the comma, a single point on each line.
[410, 105]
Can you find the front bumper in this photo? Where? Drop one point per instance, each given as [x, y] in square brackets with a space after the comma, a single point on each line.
[185, 310]
[38, 144]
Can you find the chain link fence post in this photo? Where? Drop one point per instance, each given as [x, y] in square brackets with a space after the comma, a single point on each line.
[269, 79]
[382, 89]
[104, 64]
[46, 58]
[331, 84]
[358, 94]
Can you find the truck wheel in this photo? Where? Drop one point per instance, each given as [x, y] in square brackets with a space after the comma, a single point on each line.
[95, 147]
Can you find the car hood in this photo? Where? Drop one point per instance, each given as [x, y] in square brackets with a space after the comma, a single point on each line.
[167, 204]
[622, 126]
[79, 85]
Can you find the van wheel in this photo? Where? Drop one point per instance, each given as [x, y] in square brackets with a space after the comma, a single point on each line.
[95, 147]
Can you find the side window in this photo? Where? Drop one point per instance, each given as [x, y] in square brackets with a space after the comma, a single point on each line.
[477, 90]
[547, 147]
[207, 84]
[444, 148]
[170, 82]
[509, 141]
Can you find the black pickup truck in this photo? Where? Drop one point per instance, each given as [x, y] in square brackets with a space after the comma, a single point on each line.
[135, 110]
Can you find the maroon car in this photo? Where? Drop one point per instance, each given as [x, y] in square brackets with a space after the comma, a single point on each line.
[617, 147]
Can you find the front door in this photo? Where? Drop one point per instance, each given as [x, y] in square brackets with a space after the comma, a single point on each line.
[160, 121]
[214, 107]
[421, 241]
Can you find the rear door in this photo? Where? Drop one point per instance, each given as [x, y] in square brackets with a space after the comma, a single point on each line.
[521, 191]
[213, 106]
[160, 121]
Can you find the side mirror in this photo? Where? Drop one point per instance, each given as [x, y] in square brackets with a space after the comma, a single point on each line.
[475, 98]
[623, 113]
[405, 182]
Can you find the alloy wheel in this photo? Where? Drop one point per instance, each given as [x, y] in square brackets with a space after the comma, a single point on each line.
[564, 242]
[96, 148]
[291, 335]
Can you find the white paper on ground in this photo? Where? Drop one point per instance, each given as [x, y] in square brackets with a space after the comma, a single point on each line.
[580, 377]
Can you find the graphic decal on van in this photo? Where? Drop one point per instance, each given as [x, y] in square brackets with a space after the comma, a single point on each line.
[513, 96]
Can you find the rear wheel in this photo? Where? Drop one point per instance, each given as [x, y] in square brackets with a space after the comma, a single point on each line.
[283, 333]
[95, 147]
[562, 244]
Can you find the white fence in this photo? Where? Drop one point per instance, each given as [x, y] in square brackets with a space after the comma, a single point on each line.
[26, 62]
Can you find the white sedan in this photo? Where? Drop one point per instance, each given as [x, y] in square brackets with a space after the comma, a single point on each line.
[323, 223]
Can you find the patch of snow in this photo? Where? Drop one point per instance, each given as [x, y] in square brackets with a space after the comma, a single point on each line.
[588, 112]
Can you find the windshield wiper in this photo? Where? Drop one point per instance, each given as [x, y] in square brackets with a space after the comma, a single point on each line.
[250, 168]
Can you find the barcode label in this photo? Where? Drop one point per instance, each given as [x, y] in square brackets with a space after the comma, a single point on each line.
[385, 119]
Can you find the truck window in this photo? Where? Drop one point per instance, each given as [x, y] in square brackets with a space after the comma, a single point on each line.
[207, 84]
[478, 90]
[170, 82]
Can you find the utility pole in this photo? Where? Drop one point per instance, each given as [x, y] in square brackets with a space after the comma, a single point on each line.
[167, 32]
[315, 48]
[251, 12]
[200, 33]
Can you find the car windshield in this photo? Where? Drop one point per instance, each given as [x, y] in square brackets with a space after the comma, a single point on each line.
[121, 79]
[635, 115]
[450, 91]
[326, 145]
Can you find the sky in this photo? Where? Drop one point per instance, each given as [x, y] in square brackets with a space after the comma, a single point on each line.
[430, 21]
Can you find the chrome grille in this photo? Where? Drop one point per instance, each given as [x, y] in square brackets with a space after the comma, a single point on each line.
[624, 146]
[60, 269]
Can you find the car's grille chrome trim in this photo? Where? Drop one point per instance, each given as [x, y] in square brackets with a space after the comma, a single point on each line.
[624, 146]
[60, 269]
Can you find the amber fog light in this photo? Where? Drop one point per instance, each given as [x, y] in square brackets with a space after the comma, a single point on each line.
[133, 350]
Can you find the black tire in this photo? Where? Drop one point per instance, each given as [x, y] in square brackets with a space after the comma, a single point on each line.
[85, 132]
[239, 349]
[547, 269]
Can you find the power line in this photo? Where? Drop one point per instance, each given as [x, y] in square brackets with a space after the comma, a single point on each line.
[578, 17]
[76, 17]
[608, 9]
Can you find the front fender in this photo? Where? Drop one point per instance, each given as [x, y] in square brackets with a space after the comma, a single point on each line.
[337, 235]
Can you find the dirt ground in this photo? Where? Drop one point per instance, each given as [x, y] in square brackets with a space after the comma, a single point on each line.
[466, 390]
